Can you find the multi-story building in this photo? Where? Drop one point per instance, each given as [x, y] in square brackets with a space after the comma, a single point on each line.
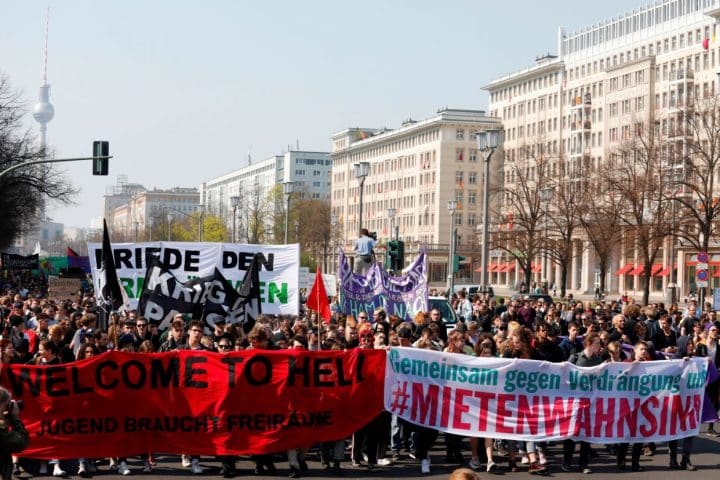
[606, 79]
[253, 184]
[148, 214]
[415, 170]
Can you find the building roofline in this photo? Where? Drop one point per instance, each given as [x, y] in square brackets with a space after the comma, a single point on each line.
[509, 79]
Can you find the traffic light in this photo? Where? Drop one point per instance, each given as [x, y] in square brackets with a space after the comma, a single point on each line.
[391, 257]
[400, 259]
[395, 255]
[456, 262]
[101, 166]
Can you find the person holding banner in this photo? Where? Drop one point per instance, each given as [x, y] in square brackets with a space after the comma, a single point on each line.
[710, 347]
[685, 349]
[589, 357]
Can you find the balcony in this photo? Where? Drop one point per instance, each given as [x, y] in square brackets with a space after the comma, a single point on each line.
[584, 101]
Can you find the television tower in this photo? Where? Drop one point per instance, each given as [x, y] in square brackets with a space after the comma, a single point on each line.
[43, 111]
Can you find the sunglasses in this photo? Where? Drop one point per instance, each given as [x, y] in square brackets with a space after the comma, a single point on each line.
[223, 346]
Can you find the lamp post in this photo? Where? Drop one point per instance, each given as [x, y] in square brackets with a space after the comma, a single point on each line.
[546, 195]
[333, 232]
[451, 206]
[487, 142]
[393, 228]
[201, 210]
[234, 202]
[362, 170]
[287, 190]
[169, 219]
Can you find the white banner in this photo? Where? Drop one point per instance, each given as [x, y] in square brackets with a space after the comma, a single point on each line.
[539, 401]
[278, 273]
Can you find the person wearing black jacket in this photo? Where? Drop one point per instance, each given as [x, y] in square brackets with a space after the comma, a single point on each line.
[13, 435]
[589, 357]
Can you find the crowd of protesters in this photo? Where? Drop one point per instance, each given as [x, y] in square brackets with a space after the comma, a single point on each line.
[38, 330]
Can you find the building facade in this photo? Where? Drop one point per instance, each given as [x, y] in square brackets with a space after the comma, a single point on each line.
[415, 170]
[607, 79]
[253, 185]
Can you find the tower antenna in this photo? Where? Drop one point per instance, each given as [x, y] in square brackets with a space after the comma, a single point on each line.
[47, 30]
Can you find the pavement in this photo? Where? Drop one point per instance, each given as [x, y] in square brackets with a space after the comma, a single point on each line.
[706, 457]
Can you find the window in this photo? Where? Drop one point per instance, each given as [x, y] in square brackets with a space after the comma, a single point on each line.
[460, 134]
[459, 153]
[316, 173]
[300, 172]
[471, 219]
[472, 198]
[459, 177]
[472, 178]
[473, 154]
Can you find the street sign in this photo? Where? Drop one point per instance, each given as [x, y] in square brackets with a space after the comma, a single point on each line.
[702, 257]
[701, 278]
[701, 266]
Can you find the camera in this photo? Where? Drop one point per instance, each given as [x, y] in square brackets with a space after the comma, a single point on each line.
[20, 404]
[373, 235]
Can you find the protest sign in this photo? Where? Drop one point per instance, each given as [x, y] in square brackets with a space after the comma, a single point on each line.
[121, 404]
[188, 260]
[11, 261]
[63, 288]
[403, 296]
[529, 400]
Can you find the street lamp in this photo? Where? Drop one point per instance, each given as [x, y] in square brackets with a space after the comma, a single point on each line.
[451, 206]
[391, 215]
[546, 195]
[362, 170]
[234, 202]
[169, 219]
[487, 142]
[333, 225]
[201, 210]
[287, 190]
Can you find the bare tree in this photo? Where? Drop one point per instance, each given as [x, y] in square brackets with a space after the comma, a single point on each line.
[638, 176]
[599, 217]
[693, 154]
[522, 236]
[564, 204]
[23, 189]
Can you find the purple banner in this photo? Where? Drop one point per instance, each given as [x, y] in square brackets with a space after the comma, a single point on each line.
[403, 296]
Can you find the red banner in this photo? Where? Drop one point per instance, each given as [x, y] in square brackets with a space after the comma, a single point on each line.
[120, 404]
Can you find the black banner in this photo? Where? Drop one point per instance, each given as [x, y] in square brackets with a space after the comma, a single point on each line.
[205, 298]
[10, 261]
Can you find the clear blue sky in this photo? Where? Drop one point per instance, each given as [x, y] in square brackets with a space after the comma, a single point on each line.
[182, 89]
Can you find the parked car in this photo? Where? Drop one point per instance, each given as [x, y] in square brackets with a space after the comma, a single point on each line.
[473, 289]
[449, 316]
[533, 297]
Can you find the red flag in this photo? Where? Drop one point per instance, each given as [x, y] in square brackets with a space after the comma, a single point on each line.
[706, 43]
[318, 300]
[71, 253]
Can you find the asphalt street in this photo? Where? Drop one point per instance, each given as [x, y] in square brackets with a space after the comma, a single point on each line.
[706, 458]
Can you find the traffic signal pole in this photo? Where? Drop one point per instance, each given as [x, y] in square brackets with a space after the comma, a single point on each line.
[103, 159]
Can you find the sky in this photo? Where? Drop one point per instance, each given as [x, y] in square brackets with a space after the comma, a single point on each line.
[183, 90]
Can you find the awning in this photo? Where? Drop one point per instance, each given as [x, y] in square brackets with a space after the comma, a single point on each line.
[637, 270]
[624, 270]
[716, 272]
[656, 268]
[510, 267]
[664, 272]
[536, 267]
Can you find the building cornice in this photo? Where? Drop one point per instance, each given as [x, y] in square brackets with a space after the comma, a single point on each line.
[520, 75]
